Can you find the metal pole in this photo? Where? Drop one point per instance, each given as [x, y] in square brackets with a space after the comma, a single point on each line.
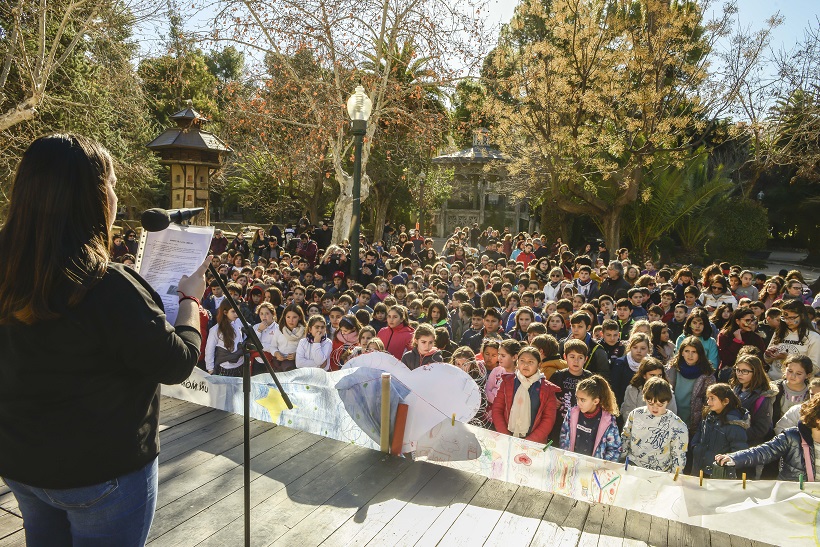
[359, 128]
[246, 388]
[421, 205]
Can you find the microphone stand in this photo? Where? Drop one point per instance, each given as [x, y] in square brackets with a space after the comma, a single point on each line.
[250, 334]
[181, 217]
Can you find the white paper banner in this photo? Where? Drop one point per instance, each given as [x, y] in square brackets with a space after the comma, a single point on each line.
[782, 514]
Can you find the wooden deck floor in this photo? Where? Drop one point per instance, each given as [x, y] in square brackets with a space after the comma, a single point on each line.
[309, 490]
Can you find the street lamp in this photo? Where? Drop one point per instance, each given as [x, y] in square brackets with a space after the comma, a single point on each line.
[359, 107]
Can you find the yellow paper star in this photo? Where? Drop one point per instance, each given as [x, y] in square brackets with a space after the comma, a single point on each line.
[274, 403]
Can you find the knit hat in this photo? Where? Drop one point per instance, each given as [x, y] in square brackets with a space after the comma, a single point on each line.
[398, 280]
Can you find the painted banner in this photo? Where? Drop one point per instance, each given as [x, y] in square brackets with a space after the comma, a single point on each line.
[344, 405]
[785, 515]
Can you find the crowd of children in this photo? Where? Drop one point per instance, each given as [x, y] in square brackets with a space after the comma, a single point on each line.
[657, 366]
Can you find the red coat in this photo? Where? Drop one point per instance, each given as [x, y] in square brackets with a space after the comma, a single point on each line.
[544, 419]
[397, 341]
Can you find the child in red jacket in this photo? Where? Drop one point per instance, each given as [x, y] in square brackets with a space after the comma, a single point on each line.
[525, 405]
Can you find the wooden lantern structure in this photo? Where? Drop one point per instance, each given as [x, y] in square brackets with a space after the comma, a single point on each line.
[193, 155]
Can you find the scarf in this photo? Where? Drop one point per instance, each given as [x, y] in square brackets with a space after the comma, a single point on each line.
[521, 411]
[633, 364]
[583, 288]
[349, 339]
[690, 372]
[295, 334]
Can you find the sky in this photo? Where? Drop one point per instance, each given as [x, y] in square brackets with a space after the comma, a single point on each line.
[797, 16]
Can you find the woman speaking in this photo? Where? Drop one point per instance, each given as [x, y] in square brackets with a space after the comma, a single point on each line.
[79, 407]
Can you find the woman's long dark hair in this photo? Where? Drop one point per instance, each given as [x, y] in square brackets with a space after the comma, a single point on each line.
[54, 244]
[731, 325]
[225, 326]
[698, 313]
[803, 327]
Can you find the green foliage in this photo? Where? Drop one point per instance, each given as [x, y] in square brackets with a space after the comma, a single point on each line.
[169, 80]
[468, 111]
[94, 92]
[670, 197]
[740, 225]
[406, 137]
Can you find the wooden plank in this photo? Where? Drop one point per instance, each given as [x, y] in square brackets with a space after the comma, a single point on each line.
[223, 444]
[521, 519]
[167, 403]
[658, 531]
[738, 541]
[9, 503]
[720, 539]
[637, 526]
[17, 539]
[445, 518]
[573, 524]
[181, 413]
[591, 533]
[550, 528]
[186, 475]
[612, 529]
[373, 516]
[475, 524]
[674, 535]
[9, 524]
[694, 536]
[194, 491]
[172, 448]
[333, 513]
[192, 424]
[270, 491]
[426, 506]
[207, 511]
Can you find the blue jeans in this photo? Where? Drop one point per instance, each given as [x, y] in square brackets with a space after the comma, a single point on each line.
[116, 512]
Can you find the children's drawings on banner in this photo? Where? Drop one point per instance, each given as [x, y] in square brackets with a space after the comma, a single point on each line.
[344, 405]
[317, 405]
[791, 516]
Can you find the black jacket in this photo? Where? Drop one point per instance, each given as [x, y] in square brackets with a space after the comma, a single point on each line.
[715, 437]
[616, 288]
[77, 405]
[786, 447]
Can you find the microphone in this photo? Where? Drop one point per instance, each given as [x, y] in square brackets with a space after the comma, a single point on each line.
[156, 220]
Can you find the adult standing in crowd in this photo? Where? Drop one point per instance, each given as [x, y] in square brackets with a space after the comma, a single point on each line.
[307, 249]
[615, 285]
[78, 408]
[219, 243]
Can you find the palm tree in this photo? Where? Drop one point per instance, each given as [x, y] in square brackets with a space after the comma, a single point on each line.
[675, 198]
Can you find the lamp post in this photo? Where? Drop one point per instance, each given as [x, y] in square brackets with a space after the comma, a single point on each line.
[359, 107]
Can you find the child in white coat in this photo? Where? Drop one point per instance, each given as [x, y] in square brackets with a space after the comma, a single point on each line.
[315, 348]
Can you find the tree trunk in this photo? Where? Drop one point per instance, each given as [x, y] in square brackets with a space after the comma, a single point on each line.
[554, 221]
[381, 202]
[611, 225]
[316, 200]
[343, 210]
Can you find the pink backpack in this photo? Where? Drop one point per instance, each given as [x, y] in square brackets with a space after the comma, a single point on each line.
[807, 459]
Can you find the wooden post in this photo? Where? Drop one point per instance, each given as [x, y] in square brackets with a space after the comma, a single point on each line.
[385, 421]
[398, 430]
